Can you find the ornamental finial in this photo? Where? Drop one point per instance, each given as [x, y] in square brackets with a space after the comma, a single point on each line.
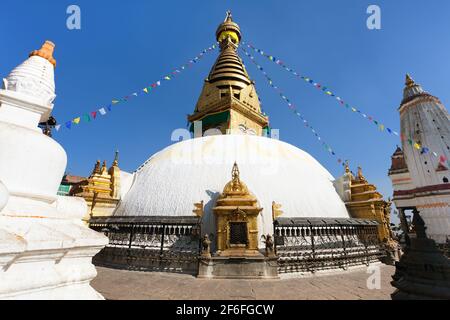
[96, 167]
[46, 52]
[228, 17]
[409, 82]
[235, 171]
[104, 167]
[116, 159]
[360, 175]
[347, 168]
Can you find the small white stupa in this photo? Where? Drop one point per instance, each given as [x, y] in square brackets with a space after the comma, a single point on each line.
[45, 250]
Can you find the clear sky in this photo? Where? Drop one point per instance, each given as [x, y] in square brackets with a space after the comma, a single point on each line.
[126, 45]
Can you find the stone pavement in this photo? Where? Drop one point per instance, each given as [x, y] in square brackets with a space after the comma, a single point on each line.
[344, 285]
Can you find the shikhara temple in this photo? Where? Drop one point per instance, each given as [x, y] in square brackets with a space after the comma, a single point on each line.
[232, 202]
[420, 178]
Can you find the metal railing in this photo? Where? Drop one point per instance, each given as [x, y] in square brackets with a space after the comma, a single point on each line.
[311, 244]
[156, 243]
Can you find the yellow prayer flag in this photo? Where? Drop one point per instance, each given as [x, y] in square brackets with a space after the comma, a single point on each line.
[76, 120]
[417, 146]
[145, 90]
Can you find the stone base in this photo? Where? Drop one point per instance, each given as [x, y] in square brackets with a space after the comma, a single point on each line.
[48, 258]
[256, 267]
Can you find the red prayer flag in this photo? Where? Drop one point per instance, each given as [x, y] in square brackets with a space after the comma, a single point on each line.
[94, 114]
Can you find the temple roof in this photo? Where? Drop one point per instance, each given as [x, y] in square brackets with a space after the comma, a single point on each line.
[412, 90]
[398, 152]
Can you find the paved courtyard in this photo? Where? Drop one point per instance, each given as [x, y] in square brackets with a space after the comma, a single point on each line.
[350, 285]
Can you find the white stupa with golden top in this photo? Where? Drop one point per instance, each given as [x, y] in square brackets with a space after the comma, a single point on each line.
[45, 250]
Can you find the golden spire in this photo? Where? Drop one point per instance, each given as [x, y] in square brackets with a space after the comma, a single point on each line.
[46, 52]
[347, 168]
[228, 99]
[409, 82]
[235, 177]
[104, 169]
[360, 174]
[116, 159]
[96, 167]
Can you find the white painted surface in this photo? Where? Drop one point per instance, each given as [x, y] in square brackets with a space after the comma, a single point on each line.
[425, 121]
[45, 249]
[172, 180]
[4, 195]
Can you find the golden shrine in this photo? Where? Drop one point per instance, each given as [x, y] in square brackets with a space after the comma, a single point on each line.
[101, 190]
[236, 213]
[365, 202]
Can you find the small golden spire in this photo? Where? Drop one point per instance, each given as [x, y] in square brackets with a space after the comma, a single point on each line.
[104, 169]
[347, 168]
[46, 52]
[116, 159]
[236, 182]
[409, 82]
[235, 171]
[96, 167]
[360, 174]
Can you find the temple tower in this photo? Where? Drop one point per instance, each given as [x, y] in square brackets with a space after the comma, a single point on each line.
[228, 101]
[101, 189]
[420, 171]
[114, 173]
[363, 201]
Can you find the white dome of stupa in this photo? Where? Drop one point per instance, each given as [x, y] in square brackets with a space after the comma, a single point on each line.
[172, 180]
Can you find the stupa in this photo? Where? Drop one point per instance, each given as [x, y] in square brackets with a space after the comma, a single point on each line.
[45, 250]
[183, 194]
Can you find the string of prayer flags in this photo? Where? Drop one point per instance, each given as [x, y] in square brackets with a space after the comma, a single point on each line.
[87, 117]
[292, 107]
[327, 91]
[319, 86]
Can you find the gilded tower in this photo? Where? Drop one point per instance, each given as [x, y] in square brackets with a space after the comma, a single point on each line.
[228, 101]
[101, 190]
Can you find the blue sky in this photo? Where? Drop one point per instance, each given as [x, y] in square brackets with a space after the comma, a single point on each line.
[125, 45]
